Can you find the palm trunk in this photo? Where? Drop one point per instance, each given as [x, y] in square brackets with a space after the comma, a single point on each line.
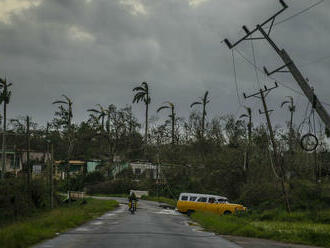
[173, 125]
[4, 140]
[146, 127]
[102, 123]
[203, 121]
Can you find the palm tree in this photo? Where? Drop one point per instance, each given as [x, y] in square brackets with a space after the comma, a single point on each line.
[101, 114]
[249, 116]
[67, 112]
[172, 116]
[66, 115]
[143, 94]
[4, 98]
[292, 109]
[203, 101]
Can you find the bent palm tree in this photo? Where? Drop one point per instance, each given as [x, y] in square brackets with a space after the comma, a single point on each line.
[203, 101]
[143, 94]
[101, 114]
[4, 98]
[172, 116]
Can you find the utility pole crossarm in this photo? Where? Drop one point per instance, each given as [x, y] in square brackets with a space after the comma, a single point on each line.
[288, 63]
[249, 33]
[297, 75]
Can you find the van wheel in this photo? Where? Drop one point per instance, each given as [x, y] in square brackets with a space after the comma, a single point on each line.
[227, 212]
[189, 212]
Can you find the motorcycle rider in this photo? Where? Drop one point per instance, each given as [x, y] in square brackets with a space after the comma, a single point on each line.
[132, 199]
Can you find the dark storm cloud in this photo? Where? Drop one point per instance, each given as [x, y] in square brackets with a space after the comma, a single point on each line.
[96, 51]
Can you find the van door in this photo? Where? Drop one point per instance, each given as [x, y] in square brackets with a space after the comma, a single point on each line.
[201, 203]
[212, 206]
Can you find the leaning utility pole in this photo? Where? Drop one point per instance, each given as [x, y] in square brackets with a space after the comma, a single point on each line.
[288, 62]
[247, 153]
[278, 164]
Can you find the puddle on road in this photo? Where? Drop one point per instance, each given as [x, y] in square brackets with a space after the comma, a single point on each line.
[97, 223]
[168, 212]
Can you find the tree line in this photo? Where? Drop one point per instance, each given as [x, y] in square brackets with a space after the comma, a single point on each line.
[224, 154]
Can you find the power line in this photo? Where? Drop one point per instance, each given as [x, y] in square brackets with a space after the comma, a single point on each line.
[299, 13]
[255, 63]
[316, 61]
[235, 75]
[280, 83]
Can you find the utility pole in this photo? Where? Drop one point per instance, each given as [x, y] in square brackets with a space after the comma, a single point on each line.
[292, 109]
[247, 153]
[28, 166]
[262, 95]
[288, 62]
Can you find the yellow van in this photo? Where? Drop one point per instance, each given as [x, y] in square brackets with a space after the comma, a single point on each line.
[190, 202]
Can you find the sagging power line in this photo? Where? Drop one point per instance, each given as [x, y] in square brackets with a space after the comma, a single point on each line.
[289, 65]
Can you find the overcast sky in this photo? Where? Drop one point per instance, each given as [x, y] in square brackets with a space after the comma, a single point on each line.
[96, 51]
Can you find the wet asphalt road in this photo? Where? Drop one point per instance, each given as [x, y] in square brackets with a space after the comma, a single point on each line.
[151, 226]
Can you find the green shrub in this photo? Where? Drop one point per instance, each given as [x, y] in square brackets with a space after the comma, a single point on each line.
[17, 199]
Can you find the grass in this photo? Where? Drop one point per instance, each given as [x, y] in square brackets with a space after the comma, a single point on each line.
[168, 201]
[297, 227]
[45, 225]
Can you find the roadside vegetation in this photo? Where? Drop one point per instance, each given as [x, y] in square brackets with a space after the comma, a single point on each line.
[223, 154]
[297, 227]
[47, 224]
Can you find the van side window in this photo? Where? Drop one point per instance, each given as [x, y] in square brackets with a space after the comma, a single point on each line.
[193, 198]
[202, 199]
[211, 200]
[184, 198]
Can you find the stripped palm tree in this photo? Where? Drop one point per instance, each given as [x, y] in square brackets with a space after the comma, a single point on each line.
[4, 98]
[249, 116]
[171, 106]
[143, 94]
[100, 113]
[65, 112]
[203, 101]
[292, 109]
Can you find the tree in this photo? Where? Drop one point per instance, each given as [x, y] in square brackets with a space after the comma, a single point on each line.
[100, 113]
[4, 98]
[203, 101]
[65, 115]
[172, 116]
[143, 94]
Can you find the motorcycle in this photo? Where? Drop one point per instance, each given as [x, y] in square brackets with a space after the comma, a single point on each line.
[132, 206]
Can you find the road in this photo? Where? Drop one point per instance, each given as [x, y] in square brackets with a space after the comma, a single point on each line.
[151, 226]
